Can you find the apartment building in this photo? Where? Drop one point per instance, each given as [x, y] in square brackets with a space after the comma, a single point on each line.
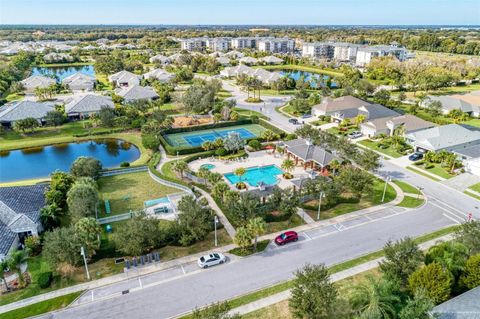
[219, 44]
[345, 52]
[365, 55]
[319, 50]
[193, 44]
[276, 45]
[244, 43]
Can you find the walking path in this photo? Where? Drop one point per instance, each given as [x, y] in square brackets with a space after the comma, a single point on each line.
[285, 295]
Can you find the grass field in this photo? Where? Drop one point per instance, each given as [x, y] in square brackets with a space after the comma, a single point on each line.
[421, 172]
[407, 188]
[476, 187]
[437, 169]
[411, 202]
[390, 151]
[197, 138]
[128, 191]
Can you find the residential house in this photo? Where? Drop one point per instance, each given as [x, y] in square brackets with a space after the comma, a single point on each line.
[159, 75]
[20, 110]
[234, 54]
[389, 125]
[452, 138]
[57, 57]
[329, 106]
[223, 60]
[36, 81]
[467, 103]
[464, 306]
[161, 59]
[86, 105]
[248, 60]
[371, 112]
[271, 59]
[136, 93]
[263, 75]
[310, 156]
[19, 215]
[124, 79]
[79, 82]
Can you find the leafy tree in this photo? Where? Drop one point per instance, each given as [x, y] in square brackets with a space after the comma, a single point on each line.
[60, 184]
[215, 311]
[256, 226]
[108, 64]
[195, 221]
[434, 280]
[269, 135]
[382, 97]
[219, 190]
[418, 307]
[33, 245]
[243, 238]
[471, 274]
[368, 159]
[86, 167]
[435, 108]
[107, 117]
[288, 165]
[82, 200]
[28, 124]
[50, 216]
[240, 171]
[300, 106]
[402, 258]
[88, 232]
[313, 294]
[150, 141]
[469, 236]
[375, 299]
[180, 166]
[61, 246]
[137, 236]
[450, 255]
[198, 99]
[55, 118]
[356, 180]
[233, 142]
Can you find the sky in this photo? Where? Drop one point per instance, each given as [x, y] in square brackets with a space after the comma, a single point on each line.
[316, 12]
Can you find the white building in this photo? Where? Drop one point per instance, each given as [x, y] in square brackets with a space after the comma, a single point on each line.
[319, 50]
[276, 45]
[244, 43]
[193, 44]
[365, 55]
[345, 52]
[219, 44]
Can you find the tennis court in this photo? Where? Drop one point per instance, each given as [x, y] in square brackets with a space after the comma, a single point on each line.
[197, 138]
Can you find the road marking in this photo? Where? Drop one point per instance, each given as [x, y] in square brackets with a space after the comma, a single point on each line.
[183, 269]
[339, 226]
[308, 237]
[449, 212]
[92, 296]
[449, 206]
[451, 218]
[140, 282]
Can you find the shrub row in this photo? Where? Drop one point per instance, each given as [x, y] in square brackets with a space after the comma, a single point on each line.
[103, 132]
[340, 200]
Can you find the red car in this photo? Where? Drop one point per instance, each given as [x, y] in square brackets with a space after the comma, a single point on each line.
[286, 237]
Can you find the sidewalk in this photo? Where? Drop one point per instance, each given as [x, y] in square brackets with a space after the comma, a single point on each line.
[285, 295]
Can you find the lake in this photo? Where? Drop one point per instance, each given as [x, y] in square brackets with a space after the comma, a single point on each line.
[308, 76]
[61, 72]
[39, 162]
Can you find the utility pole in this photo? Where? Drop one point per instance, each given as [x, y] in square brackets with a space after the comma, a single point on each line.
[387, 180]
[82, 252]
[322, 195]
[215, 221]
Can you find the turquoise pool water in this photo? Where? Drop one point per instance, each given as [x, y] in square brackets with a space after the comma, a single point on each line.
[153, 202]
[254, 175]
[207, 166]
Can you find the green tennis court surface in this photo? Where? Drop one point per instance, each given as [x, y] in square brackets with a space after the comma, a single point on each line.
[197, 138]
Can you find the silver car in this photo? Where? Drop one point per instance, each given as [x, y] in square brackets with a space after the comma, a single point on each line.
[211, 260]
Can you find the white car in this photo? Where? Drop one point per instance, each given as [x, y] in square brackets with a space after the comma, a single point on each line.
[355, 134]
[211, 260]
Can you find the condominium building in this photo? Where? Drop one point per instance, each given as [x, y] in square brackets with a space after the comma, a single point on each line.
[193, 44]
[345, 52]
[322, 50]
[276, 45]
[365, 55]
[244, 43]
[219, 44]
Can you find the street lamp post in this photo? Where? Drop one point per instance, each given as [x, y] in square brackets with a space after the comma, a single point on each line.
[419, 192]
[387, 180]
[82, 252]
[322, 195]
[215, 221]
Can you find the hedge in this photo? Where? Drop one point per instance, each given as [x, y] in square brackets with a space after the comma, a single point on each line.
[45, 279]
[271, 127]
[340, 200]
[115, 130]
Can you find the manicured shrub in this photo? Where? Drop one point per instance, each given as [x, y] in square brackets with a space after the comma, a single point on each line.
[45, 279]
[33, 245]
[221, 152]
[255, 144]
[124, 164]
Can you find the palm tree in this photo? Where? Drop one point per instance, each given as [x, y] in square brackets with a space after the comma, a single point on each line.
[375, 299]
[240, 172]
[359, 119]
[334, 165]
[180, 167]
[219, 190]
[15, 261]
[203, 173]
[268, 135]
[288, 165]
[256, 227]
[207, 146]
[3, 269]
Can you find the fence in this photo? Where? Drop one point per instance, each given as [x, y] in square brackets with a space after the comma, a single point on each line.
[127, 170]
[171, 184]
[115, 218]
[194, 178]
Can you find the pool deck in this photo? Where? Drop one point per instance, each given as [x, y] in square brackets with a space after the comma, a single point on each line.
[261, 158]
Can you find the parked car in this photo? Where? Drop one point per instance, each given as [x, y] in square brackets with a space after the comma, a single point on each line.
[293, 121]
[415, 156]
[355, 134]
[306, 116]
[211, 260]
[286, 237]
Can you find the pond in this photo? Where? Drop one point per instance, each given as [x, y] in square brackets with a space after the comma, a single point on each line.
[61, 72]
[39, 162]
[308, 77]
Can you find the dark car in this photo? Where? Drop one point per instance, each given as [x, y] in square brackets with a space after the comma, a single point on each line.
[306, 116]
[286, 237]
[293, 121]
[415, 156]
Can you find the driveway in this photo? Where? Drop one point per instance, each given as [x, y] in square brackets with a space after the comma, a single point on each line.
[462, 181]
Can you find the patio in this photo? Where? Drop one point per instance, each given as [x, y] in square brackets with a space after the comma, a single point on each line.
[255, 159]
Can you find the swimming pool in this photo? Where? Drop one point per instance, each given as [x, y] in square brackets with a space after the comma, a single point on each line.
[152, 202]
[254, 175]
[207, 166]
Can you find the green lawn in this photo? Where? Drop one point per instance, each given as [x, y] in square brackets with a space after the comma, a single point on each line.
[438, 170]
[475, 187]
[411, 202]
[390, 151]
[369, 200]
[128, 191]
[421, 172]
[41, 307]
[261, 245]
[407, 188]
[274, 227]
[471, 195]
[248, 113]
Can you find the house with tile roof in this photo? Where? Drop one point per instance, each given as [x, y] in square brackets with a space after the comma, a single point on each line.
[136, 93]
[388, 125]
[86, 105]
[20, 110]
[329, 106]
[124, 79]
[36, 81]
[371, 112]
[79, 82]
[160, 59]
[159, 75]
[271, 59]
[19, 215]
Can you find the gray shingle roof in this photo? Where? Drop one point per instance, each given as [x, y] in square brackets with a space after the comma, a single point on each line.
[35, 81]
[341, 103]
[465, 306]
[442, 137]
[88, 103]
[309, 152]
[27, 200]
[19, 110]
[7, 238]
[137, 92]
